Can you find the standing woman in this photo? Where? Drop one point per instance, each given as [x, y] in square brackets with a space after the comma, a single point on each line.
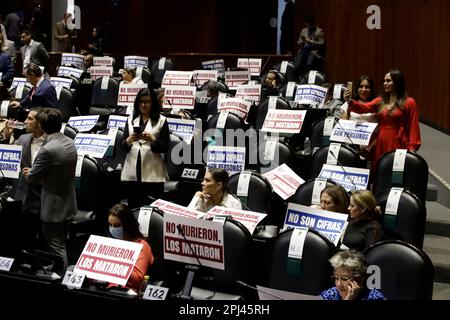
[145, 138]
[397, 115]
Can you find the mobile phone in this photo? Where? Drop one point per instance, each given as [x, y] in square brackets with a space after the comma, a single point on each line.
[137, 130]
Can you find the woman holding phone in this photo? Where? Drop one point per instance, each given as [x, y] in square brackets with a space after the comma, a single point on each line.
[145, 138]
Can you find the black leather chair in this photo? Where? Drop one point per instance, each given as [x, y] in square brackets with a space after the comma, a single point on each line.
[257, 160]
[409, 223]
[174, 170]
[264, 107]
[115, 155]
[347, 157]
[415, 175]
[304, 193]
[290, 74]
[319, 79]
[233, 122]
[86, 188]
[104, 102]
[312, 276]
[158, 73]
[259, 192]
[316, 134]
[215, 284]
[70, 131]
[406, 272]
[65, 104]
[146, 75]
[24, 93]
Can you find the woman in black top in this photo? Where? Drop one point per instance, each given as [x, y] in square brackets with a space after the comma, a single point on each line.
[363, 228]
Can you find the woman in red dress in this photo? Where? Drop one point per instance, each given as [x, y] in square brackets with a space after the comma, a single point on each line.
[397, 115]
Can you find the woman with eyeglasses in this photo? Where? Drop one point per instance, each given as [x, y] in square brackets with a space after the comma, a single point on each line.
[145, 139]
[349, 276]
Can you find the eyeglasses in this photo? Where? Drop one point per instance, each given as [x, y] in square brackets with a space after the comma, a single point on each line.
[341, 278]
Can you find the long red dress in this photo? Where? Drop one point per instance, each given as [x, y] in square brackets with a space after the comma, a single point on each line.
[399, 130]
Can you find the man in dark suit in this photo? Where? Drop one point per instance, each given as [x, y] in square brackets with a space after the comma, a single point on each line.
[29, 194]
[43, 93]
[54, 169]
[32, 51]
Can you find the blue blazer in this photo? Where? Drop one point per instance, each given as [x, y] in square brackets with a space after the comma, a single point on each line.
[45, 96]
[6, 68]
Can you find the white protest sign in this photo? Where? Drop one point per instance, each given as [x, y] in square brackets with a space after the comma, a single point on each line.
[249, 219]
[284, 181]
[10, 156]
[182, 128]
[143, 219]
[231, 159]
[348, 177]
[217, 64]
[235, 78]
[393, 200]
[399, 160]
[69, 71]
[290, 89]
[128, 92]
[284, 121]
[179, 97]
[172, 208]
[116, 122]
[135, 61]
[93, 145]
[83, 123]
[17, 81]
[61, 82]
[176, 78]
[100, 71]
[329, 224]
[108, 259]
[251, 64]
[199, 239]
[103, 61]
[237, 106]
[337, 89]
[310, 94]
[249, 92]
[4, 108]
[73, 59]
[349, 131]
[202, 76]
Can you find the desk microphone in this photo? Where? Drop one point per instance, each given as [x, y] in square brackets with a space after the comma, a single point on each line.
[259, 290]
[345, 171]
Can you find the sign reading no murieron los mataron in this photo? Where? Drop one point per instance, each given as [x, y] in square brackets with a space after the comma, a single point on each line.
[284, 121]
[179, 97]
[176, 78]
[284, 181]
[187, 239]
[172, 208]
[128, 93]
[108, 259]
[249, 219]
[10, 157]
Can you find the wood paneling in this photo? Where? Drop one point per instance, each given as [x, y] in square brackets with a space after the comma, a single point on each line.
[414, 38]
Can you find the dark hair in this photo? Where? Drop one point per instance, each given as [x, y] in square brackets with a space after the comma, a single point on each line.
[33, 69]
[357, 83]
[155, 110]
[50, 120]
[131, 71]
[400, 91]
[311, 20]
[26, 31]
[340, 197]
[129, 223]
[220, 175]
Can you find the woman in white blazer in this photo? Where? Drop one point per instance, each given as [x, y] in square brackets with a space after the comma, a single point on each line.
[145, 139]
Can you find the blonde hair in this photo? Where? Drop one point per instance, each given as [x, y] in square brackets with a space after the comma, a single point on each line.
[365, 199]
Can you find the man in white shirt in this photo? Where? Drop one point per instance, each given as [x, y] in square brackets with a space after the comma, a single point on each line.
[32, 51]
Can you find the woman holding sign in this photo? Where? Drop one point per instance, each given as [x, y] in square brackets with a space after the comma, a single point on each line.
[397, 115]
[124, 226]
[349, 277]
[214, 192]
[145, 138]
[363, 229]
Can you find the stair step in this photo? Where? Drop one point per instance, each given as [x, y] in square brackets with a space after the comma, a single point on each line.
[438, 249]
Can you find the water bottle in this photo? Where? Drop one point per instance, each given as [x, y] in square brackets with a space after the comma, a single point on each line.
[16, 124]
[307, 146]
[144, 285]
[119, 167]
[73, 49]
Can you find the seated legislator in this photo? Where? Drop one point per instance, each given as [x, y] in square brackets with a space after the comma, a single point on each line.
[333, 198]
[214, 192]
[349, 276]
[363, 229]
[43, 93]
[124, 226]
